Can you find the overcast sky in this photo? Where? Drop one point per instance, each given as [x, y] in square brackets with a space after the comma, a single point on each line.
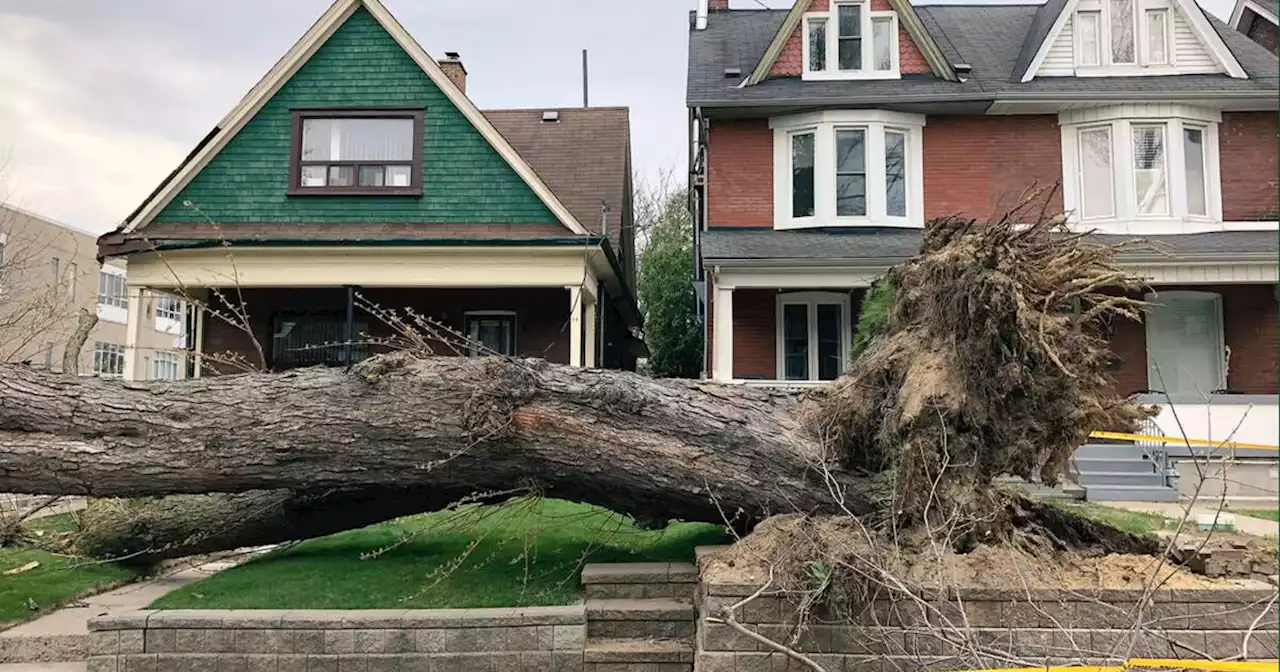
[99, 100]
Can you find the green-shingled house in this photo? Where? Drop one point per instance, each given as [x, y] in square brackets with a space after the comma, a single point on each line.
[358, 172]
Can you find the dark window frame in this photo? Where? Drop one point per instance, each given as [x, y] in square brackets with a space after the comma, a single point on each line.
[471, 316]
[295, 151]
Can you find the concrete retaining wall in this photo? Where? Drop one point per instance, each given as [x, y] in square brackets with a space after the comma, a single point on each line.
[1037, 627]
[535, 639]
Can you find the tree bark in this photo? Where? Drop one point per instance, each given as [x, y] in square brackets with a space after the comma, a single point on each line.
[655, 449]
[85, 322]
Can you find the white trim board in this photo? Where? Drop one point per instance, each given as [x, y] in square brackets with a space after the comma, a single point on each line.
[1209, 37]
[1237, 13]
[288, 66]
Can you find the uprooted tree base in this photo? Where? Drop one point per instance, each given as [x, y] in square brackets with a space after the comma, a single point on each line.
[991, 362]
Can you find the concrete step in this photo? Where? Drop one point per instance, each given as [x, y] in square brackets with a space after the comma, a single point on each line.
[640, 580]
[1119, 478]
[1130, 493]
[638, 652]
[1114, 464]
[640, 619]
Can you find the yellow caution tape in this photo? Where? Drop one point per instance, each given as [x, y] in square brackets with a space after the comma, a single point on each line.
[1158, 663]
[1177, 440]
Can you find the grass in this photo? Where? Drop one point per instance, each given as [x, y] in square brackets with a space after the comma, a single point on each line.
[1265, 514]
[525, 552]
[58, 579]
[1138, 522]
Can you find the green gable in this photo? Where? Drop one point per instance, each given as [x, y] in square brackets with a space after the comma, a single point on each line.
[464, 178]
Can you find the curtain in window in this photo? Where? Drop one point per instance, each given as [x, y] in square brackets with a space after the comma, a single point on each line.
[1157, 36]
[882, 43]
[1193, 149]
[1086, 30]
[1149, 170]
[1096, 178]
[357, 139]
[1184, 344]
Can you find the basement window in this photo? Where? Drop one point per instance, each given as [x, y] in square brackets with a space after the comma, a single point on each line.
[356, 152]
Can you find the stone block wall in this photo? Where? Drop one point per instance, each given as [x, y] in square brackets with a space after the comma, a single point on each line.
[983, 629]
[534, 639]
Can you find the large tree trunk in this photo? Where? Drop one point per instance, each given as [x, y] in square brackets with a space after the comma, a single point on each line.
[656, 449]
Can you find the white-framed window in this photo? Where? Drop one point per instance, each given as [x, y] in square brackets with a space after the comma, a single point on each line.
[108, 359]
[170, 314]
[813, 335]
[850, 41]
[166, 366]
[1138, 169]
[491, 332]
[848, 168]
[1125, 35]
[1186, 351]
[69, 287]
[113, 295]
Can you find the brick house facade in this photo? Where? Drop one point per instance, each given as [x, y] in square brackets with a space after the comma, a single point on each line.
[816, 166]
[357, 182]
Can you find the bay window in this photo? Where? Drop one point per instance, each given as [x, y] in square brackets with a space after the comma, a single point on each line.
[813, 335]
[848, 168]
[1127, 35]
[1128, 170]
[850, 41]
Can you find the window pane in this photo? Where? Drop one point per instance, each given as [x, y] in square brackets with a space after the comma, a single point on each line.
[1193, 145]
[398, 176]
[1096, 179]
[895, 174]
[314, 176]
[802, 175]
[851, 173]
[830, 355]
[850, 20]
[1087, 38]
[357, 139]
[882, 43]
[850, 53]
[795, 341]
[1157, 36]
[817, 45]
[371, 176]
[1122, 31]
[493, 334]
[1148, 170]
[342, 176]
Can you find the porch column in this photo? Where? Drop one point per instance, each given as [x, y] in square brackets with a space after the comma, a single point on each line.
[576, 296]
[133, 368]
[589, 321]
[722, 334]
[199, 344]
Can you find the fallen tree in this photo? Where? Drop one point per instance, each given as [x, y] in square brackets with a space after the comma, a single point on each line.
[320, 450]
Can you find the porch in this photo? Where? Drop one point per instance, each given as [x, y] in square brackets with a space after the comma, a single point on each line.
[286, 307]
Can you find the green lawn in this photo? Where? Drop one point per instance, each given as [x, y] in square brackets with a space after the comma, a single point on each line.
[1265, 514]
[56, 581]
[1131, 521]
[525, 552]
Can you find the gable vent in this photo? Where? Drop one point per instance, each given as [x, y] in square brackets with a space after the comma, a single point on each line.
[732, 73]
[551, 117]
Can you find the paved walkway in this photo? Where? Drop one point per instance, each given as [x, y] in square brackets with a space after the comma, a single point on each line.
[1255, 526]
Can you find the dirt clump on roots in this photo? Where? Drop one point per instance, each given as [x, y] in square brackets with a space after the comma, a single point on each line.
[798, 549]
[993, 360]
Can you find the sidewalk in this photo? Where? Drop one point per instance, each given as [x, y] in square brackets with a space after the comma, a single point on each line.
[1244, 524]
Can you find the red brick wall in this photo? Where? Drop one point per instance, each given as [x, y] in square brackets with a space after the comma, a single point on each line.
[1249, 324]
[979, 165]
[1247, 147]
[754, 333]
[790, 61]
[740, 173]
[541, 315]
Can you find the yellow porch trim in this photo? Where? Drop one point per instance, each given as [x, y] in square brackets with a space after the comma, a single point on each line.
[371, 267]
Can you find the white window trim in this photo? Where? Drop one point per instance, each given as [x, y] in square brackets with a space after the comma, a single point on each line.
[104, 348]
[473, 348]
[170, 325]
[812, 299]
[1142, 64]
[1121, 119]
[833, 71]
[169, 359]
[109, 312]
[1157, 297]
[824, 125]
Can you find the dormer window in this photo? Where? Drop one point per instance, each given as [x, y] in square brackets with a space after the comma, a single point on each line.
[850, 41]
[356, 152]
[1125, 34]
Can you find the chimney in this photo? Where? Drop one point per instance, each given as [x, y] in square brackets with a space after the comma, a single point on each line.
[452, 66]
